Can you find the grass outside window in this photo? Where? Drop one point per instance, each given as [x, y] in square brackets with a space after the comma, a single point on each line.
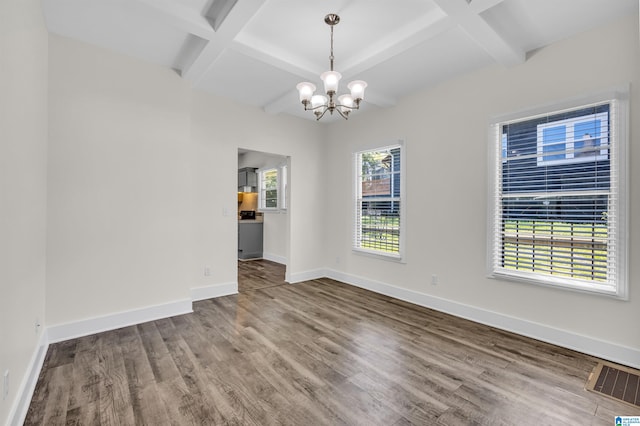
[573, 250]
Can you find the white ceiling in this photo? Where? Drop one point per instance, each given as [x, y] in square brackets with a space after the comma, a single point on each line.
[256, 51]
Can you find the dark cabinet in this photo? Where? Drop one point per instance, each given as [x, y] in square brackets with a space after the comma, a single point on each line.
[247, 177]
[249, 240]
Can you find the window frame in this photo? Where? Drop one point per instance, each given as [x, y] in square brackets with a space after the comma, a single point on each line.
[281, 189]
[618, 99]
[356, 190]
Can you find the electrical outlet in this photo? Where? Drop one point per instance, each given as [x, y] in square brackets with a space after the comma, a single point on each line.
[434, 279]
[5, 385]
[207, 271]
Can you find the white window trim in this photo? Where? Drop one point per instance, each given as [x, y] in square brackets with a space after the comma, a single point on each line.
[281, 188]
[262, 192]
[619, 160]
[401, 256]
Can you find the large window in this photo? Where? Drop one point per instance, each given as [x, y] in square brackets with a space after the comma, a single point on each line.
[558, 211]
[378, 218]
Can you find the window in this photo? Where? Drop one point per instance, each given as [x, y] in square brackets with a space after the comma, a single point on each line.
[574, 140]
[283, 188]
[273, 188]
[269, 189]
[558, 210]
[379, 181]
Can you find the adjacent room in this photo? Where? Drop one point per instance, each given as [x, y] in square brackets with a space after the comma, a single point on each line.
[337, 212]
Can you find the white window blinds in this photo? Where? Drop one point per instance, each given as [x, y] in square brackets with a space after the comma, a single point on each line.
[378, 201]
[557, 213]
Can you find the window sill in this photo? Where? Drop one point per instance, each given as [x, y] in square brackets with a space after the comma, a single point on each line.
[559, 283]
[273, 211]
[379, 255]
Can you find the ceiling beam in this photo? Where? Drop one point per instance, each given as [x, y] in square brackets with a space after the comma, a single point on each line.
[378, 99]
[469, 20]
[218, 12]
[453, 13]
[178, 16]
[236, 19]
[282, 103]
[404, 38]
[400, 41]
[479, 6]
[306, 72]
[409, 36]
[257, 50]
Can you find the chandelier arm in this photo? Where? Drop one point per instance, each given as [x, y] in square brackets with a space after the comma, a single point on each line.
[347, 106]
[315, 108]
[322, 115]
[342, 114]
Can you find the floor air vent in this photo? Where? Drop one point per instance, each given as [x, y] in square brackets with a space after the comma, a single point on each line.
[616, 381]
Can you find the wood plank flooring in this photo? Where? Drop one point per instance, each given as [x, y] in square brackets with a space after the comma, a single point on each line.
[315, 353]
[257, 274]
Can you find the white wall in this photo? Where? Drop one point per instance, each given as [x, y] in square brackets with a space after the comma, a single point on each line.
[219, 127]
[119, 184]
[275, 236]
[445, 129]
[143, 183]
[23, 197]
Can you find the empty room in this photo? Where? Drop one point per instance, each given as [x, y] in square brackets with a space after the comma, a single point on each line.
[357, 212]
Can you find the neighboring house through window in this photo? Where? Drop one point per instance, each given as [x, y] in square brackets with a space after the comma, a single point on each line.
[558, 210]
[378, 201]
[580, 139]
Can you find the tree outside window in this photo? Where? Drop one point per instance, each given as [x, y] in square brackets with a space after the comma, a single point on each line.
[269, 189]
[378, 202]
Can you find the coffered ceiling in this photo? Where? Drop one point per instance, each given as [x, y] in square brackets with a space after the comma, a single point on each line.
[256, 51]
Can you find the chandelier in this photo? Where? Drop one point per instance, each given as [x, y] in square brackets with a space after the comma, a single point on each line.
[320, 104]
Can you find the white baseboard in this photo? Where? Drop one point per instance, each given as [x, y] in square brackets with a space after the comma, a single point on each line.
[58, 333]
[275, 258]
[589, 345]
[19, 410]
[212, 291]
[305, 276]
[599, 348]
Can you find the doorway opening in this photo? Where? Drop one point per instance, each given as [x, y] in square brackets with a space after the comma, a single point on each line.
[263, 219]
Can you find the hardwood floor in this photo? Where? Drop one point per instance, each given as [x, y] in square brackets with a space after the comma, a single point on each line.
[257, 274]
[315, 353]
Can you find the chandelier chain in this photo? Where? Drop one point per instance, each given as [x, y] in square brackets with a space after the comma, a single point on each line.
[331, 56]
